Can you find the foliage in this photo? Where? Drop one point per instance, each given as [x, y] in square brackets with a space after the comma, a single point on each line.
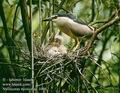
[77, 72]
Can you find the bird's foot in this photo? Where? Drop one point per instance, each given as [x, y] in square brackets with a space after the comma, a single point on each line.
[82, 51]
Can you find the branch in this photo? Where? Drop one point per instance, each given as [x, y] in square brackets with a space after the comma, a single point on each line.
[99, 30]
[107, 25]
[102, 28]
[99, 21]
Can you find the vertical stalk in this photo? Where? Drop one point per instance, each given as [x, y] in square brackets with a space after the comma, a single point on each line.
[51, 13]
[93, 10]
[32, 57]
[119, 62]
[40, 16]
[26, 22]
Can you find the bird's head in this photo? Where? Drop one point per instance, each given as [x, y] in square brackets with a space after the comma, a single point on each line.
[57, 40]
[51, 18]
[60, 18]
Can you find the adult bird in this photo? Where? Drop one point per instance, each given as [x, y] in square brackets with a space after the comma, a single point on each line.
[68, 25]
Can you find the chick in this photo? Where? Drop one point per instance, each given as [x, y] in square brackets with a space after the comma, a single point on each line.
[56, 47]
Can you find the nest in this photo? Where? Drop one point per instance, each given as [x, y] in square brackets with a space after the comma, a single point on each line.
[41, 55]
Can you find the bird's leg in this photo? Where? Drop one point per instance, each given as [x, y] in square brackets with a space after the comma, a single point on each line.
[84, 50]
[77, 44]
[86, 45]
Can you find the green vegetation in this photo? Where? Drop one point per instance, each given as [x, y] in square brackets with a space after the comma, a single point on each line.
[77, 72]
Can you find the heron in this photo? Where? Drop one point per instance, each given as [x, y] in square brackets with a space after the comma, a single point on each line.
[70, 26]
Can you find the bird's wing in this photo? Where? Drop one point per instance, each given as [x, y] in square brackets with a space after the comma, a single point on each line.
[82, 22]
[80, 29]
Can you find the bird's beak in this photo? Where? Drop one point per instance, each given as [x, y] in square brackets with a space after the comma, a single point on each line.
[48, 19]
